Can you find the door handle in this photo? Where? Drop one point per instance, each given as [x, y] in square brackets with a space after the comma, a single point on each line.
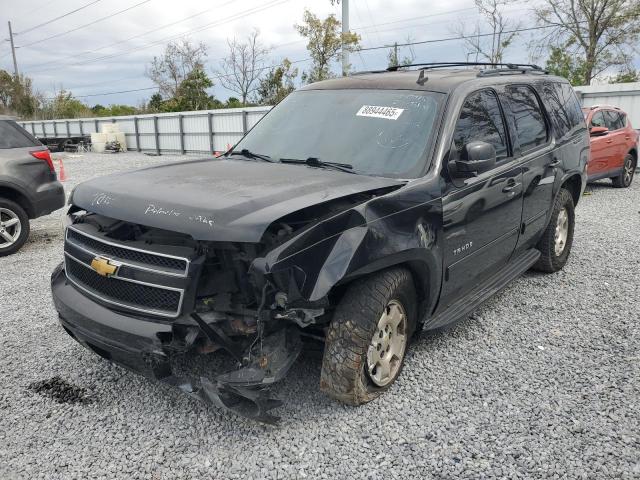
[510, 188]
[609, 141]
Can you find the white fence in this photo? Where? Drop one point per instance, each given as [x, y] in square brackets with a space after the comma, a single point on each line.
[202, 131]
[623, 95]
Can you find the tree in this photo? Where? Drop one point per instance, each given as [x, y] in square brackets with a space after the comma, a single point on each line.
[241, 69]
[64, 105]
[277, 84]
[155, 103]
[325, 41]
[17, 95]
[626, 76]
[601, 33]
[176, 63]
[492, 47]
[564, 65]
[192, 92]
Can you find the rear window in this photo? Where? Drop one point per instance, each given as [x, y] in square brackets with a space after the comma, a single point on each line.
[13, 135]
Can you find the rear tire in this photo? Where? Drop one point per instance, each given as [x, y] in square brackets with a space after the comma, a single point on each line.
[368, 337]
[14, 227]
[555, 244]
[626, 176]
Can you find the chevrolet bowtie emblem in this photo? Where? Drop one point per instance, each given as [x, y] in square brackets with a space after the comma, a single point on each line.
[103, 267]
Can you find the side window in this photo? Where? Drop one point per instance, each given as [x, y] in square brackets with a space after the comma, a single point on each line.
[597, 120]
[613, 120]
[529, 119]
[571, 105]
[559, 111]
[480, 120]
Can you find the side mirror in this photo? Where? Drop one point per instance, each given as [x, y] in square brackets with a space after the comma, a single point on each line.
[598, 131]
[477, 157]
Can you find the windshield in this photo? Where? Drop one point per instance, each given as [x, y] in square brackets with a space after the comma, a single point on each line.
[377, 132]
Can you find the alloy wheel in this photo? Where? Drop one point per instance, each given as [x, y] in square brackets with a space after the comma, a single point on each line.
[10, 227]
[628, 172]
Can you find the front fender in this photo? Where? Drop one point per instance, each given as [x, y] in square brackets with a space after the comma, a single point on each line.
[386, 231]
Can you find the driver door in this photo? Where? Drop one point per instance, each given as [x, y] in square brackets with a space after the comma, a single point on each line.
[482, 213]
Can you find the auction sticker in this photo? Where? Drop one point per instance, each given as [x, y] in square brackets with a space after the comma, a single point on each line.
[390, 113]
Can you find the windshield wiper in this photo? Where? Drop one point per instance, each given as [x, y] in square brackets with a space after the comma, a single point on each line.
[316, 162]
[249, 154]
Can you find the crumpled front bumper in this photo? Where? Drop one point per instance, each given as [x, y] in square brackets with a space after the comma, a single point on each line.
[137, 344]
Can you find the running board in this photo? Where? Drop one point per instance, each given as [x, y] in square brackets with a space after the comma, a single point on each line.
[483, 292]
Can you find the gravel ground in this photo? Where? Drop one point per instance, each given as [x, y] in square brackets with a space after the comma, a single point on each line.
[541, 382]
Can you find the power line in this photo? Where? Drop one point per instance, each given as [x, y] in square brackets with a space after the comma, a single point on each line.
[162, 27]
[459, 37]
[58, 18]
[237, 16]
[85, 25]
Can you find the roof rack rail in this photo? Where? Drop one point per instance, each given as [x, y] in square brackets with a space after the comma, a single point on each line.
[509, 66]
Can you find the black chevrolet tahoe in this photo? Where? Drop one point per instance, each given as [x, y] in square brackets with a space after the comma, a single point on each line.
[357, 212]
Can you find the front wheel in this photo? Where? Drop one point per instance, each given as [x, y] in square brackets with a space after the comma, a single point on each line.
[368, 337]
[555, 244]
[626, 177]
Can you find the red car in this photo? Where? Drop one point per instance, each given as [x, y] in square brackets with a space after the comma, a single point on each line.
[614, 145]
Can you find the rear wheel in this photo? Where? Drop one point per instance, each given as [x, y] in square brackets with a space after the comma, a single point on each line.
[14, 227]
[368, 337]
[555, 244]
[626, 176]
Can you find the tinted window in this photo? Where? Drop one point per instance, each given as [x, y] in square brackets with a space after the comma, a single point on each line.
[530, 125]
[597, 120]
[13, 135]
[614, 120]
[480, 120]
[378, 132]
[564, 108]
[571, 105]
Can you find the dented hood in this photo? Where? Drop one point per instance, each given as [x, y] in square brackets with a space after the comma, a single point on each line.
[218, 200]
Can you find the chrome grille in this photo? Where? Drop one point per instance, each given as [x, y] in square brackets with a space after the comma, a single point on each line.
[124, 289]
[131, 256]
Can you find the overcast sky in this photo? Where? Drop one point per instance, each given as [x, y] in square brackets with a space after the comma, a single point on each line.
[103, 57]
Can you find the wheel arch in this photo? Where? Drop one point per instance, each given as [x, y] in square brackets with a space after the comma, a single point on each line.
[634, 153]
[15, 195]
[424, 275]
[573, 183]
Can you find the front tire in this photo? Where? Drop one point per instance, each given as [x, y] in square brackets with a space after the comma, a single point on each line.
[626, 177]
[368, 337]
[14, 227]
[555, 244]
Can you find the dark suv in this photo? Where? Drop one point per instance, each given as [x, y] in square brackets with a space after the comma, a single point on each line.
[28, 185]
[359, 211]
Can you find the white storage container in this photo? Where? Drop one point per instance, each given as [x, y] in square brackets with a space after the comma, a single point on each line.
[97, 147]
[98, 138]
[122, 139]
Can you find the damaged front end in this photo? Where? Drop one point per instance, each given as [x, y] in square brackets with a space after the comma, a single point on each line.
[141, 296]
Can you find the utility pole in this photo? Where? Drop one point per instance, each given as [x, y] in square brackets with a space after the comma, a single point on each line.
[13, 52]
[345, 29]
